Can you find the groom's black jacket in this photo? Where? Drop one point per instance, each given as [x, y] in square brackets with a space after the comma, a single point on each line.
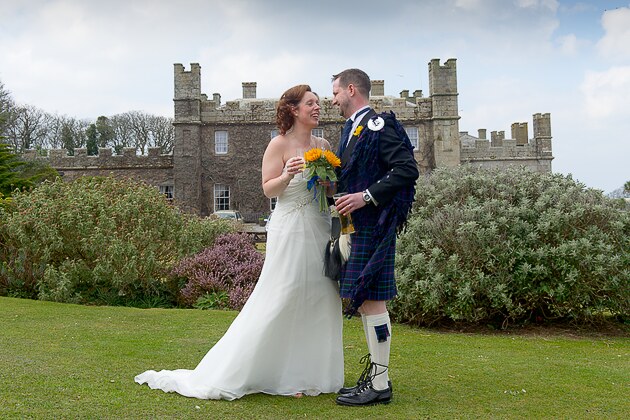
[401, 166]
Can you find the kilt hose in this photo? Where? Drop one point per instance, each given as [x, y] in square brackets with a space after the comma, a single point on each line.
[383, 287]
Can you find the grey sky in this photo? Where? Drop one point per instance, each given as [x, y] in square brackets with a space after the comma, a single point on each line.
[514, 57]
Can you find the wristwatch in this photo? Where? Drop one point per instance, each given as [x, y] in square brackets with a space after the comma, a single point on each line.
[366, 197]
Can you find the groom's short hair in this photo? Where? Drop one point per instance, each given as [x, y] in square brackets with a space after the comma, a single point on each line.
[355, 77]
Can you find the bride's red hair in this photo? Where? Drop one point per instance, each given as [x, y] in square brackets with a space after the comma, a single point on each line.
[287, 103]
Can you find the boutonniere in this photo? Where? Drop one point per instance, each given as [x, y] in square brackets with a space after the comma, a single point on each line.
[357, 132]
[376, 124]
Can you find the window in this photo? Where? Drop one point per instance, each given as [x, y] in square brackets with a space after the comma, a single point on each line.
[272, 203]
[220, 142]
[221, 197]
[167, 190]
[274, 133]
[412, 132]
[317, 132]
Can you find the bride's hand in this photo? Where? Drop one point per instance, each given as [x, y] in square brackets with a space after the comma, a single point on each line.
[294, 165]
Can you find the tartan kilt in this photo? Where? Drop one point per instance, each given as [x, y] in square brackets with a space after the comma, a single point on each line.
[362, 248]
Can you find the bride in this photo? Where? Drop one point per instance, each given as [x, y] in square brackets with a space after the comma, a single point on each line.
[287, 339]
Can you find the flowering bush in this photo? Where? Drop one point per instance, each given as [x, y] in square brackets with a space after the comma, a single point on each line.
[512, 246]
[232, 266]
[96, 240]
[320, 164]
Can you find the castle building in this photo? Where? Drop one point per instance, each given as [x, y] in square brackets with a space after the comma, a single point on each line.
[218, 149]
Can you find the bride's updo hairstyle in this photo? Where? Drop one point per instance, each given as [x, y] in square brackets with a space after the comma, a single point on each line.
[287, 104]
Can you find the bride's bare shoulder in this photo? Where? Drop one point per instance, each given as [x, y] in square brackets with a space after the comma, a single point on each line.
[322, 143]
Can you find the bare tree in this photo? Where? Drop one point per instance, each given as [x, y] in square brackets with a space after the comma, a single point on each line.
[140, 126]
[163, 133]
[123, 135]
[141, 130]
[53, 136]
[26, 128]
[66, 133]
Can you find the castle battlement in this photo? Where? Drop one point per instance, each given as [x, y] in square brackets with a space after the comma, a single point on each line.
[192, 106]
[534, 152]
[106, 159]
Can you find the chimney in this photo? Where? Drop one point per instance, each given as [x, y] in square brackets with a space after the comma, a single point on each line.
[378, 88]
[482, 134]
[249, 90]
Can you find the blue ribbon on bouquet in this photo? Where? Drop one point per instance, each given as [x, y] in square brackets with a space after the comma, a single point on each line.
[311, 183]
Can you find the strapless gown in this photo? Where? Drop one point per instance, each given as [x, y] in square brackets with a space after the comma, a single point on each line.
[287, 338]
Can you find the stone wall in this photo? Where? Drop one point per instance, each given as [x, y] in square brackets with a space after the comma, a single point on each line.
[534, 153]
[153, 168]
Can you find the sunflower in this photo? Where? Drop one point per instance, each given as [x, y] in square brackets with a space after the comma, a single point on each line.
[312, 155]
[320, 166]
[332, 158]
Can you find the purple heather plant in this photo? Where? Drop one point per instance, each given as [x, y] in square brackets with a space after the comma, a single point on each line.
[231, 265]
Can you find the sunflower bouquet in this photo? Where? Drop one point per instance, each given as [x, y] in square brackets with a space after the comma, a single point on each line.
[320, 164]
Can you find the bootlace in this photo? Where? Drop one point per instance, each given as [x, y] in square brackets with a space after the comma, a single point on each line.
[367, 370]
[367, 381]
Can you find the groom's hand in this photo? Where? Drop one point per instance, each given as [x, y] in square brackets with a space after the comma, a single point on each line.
[349, 203]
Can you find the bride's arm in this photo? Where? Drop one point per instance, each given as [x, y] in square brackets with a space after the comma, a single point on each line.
[276, 175]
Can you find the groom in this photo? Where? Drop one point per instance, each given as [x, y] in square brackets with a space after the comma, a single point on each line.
[379, 172]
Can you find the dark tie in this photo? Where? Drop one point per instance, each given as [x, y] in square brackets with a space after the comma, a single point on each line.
[345, 133]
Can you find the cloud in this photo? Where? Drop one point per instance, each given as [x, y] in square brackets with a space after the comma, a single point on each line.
[468, 4]
[538, 4]
[615, 44]
[270, 73]
[578, 7]
[606, 93]
[568, 44]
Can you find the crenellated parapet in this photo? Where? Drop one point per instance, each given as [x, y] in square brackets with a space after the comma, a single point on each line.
[187, 83]
[106, 159]
[542, 132]
[519, 150]
[192, 106]
[443, 88]
[153, 168]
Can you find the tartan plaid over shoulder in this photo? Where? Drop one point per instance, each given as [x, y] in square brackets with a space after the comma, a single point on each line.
[385, 220]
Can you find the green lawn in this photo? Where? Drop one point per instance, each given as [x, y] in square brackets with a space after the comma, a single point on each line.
[68, 361]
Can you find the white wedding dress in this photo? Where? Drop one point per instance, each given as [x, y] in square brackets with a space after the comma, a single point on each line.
[287, 338]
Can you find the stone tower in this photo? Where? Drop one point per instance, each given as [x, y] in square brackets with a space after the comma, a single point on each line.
[445, 116]
[542, 133]
[187, 171]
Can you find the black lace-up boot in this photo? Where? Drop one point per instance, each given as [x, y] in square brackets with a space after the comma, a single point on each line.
[367, 371]
[364, 393]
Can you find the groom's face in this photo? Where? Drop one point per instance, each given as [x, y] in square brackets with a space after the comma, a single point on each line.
[341, 99]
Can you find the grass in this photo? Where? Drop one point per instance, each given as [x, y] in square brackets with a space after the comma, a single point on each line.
[69, 361]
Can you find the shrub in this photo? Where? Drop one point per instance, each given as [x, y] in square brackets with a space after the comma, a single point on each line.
[97, 240]
[231, 266]
[214, 300]
[512, 246]
[19, 174]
